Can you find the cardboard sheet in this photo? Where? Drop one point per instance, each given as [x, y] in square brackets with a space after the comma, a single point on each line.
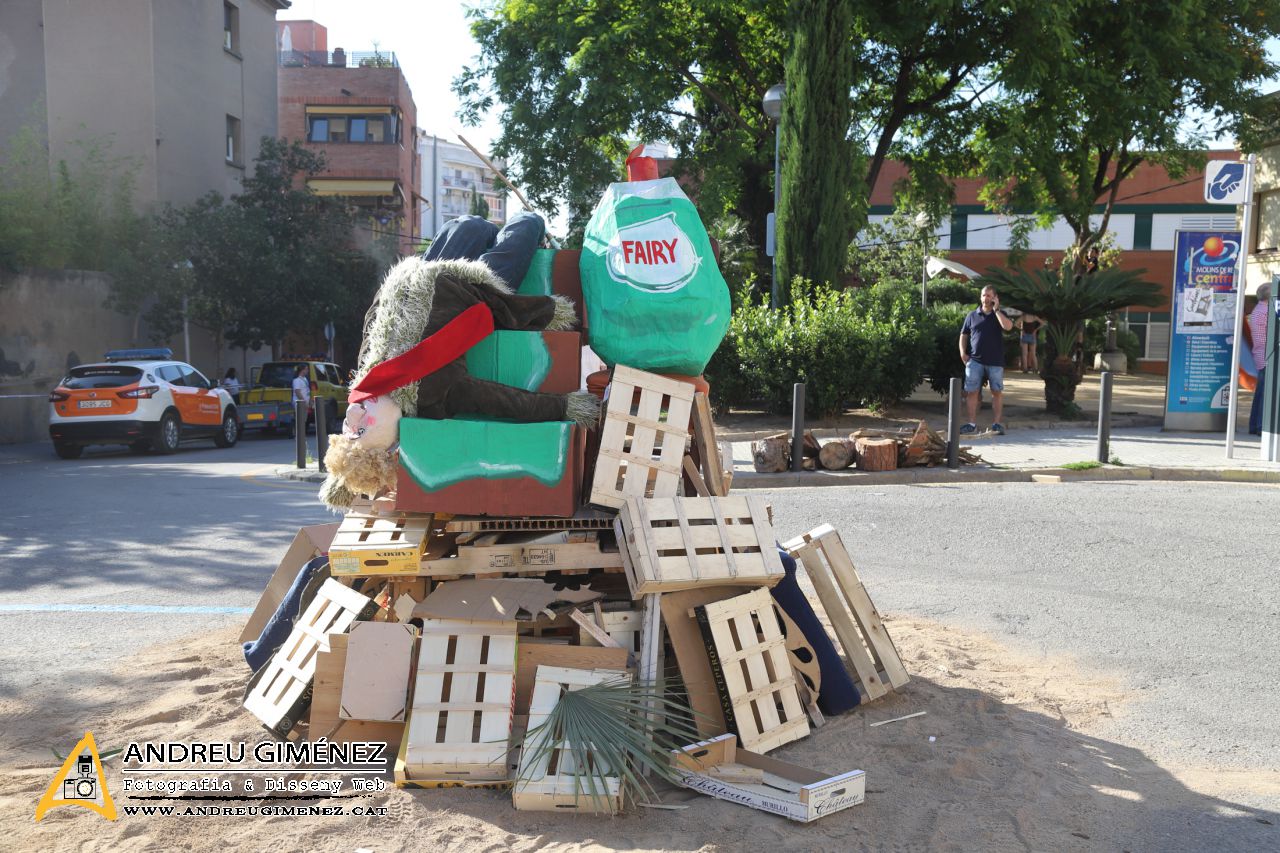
[500, 600]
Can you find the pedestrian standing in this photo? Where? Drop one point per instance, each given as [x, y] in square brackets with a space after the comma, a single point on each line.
[301, 385]
[1030, 329]
[1257, 326]
[982, 351]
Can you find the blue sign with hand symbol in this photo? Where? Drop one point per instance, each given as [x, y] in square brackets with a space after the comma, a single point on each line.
[1224, 182]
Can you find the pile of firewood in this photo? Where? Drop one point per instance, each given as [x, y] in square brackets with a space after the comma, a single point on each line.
[865, 449]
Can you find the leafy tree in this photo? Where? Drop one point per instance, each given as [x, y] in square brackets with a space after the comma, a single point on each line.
[1120, 84]
[815, 209]
[1065, 299]
[479, 207]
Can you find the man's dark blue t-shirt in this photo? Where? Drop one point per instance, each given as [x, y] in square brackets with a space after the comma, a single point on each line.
[986, 338]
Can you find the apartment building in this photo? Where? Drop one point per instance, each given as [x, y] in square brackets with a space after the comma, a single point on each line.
[450, 174]
[182, 88]
[357, 110]
[1152, 206]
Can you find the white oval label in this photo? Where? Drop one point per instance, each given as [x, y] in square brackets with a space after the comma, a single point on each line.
[654, 255]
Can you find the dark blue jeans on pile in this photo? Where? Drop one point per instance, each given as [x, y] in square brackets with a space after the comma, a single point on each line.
[259, 651]
[507, 252]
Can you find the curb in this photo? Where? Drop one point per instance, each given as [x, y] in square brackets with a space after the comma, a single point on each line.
[301, 475]
[990, 474]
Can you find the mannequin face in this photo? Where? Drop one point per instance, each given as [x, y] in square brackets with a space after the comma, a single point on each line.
[373, 423]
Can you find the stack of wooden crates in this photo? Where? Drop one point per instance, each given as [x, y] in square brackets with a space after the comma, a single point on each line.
[450, 636]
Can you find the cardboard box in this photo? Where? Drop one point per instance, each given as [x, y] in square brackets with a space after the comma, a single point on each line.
[368, 543]
[443, 451]
[546, 362]
[309, 543]
[794, 792]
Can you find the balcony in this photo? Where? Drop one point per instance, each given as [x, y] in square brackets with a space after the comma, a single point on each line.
[338, 58]
[483, 186]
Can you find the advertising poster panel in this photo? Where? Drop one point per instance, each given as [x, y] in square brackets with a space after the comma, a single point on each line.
[1204, 310]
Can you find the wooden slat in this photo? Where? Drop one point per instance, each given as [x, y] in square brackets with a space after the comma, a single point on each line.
[704, 435]
[695, 476]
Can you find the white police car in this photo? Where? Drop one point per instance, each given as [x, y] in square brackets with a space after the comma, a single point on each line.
[141, 398]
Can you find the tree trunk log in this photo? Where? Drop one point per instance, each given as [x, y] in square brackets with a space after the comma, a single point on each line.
[771, 456]
[836, 454]
[877, 454]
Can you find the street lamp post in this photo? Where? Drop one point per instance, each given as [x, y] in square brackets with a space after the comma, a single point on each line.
[772, 105]
[922, 222]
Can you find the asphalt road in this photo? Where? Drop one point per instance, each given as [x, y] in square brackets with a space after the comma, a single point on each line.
[1169, 587]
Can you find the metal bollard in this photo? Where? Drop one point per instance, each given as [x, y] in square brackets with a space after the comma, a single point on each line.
[1104, 417]
[953, 423]
[322, 430]
[300, 431]
[797, 427]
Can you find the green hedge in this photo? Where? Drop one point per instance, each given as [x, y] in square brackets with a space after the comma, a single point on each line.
[850, 348]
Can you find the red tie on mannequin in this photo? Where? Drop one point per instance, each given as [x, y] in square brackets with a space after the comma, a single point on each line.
[451, 342]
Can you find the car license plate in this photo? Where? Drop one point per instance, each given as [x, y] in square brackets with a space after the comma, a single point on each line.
[95, 404]
[255, 416]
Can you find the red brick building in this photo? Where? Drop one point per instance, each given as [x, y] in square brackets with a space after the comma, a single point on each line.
[1150, 208]
[357, 110]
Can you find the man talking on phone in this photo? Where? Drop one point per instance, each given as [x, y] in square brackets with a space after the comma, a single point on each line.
[982, 351]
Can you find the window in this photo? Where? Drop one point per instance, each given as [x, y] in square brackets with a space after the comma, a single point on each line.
[1267, 235]
[170, 373]
[1152, 329]
[233, 141]
[101, 377]
[192, 378]
[230, 28]
[375, 129]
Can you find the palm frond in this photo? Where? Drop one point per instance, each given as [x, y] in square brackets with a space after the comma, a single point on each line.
[615, 729]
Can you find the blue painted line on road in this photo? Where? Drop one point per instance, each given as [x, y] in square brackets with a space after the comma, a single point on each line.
[119, 608]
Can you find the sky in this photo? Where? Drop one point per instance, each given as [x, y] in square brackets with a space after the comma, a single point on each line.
[431, 40]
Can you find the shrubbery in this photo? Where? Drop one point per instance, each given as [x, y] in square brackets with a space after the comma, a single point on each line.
[850, 348]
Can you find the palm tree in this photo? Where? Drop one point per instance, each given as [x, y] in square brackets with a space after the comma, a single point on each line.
[1065, 299]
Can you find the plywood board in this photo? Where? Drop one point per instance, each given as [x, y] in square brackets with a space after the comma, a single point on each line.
[375, 683]
[327, 688]
[530, 655]
[500, 600]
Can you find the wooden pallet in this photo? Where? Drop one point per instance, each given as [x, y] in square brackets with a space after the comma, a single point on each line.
[642, 442]
[583, 519]
[866, 643]
[462, 702]
[281, 691]
[681, 543]
[704, 439]
[525, 553]
[369, 543]
[753, 671]
[546, 780]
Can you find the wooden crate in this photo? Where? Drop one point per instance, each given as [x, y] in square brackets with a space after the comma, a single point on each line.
[646, 427]
[753, 671]
[866, 643]
[281, 691]
[369, 543]
[546, 778]
[794, 792]
[525, 553]
[462, 702]
[682, 543]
